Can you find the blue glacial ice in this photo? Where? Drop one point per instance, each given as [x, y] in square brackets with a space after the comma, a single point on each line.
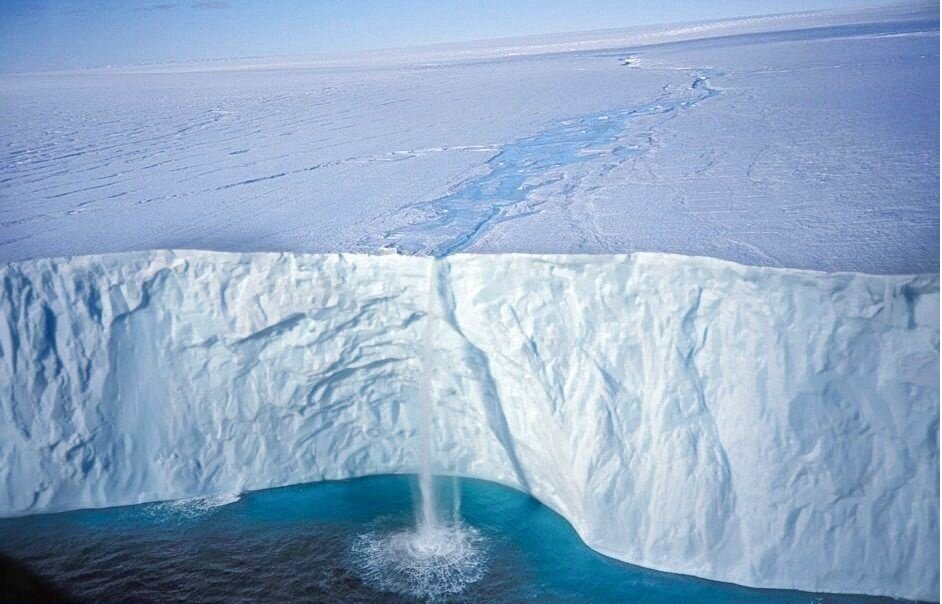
[768, 427]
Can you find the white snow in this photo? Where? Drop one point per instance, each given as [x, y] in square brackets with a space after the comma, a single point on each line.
[770, 427]
[819, 148]
[767, 426]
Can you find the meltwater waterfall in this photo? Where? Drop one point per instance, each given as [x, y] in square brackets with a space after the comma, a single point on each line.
[438, 557]
[598, 384]
[428, 517]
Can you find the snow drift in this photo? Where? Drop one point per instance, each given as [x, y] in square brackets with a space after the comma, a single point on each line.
[773, 428]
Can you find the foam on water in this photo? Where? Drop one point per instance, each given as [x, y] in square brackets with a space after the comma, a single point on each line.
[436, 558]
[427, 563]
[294, 544]
[689, 414]
[193, 507]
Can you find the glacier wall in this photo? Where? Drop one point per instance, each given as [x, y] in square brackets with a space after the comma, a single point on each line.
[773, 428]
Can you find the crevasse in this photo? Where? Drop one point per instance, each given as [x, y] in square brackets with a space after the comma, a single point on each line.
[769, 427]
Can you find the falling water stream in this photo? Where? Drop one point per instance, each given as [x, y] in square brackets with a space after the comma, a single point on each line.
[308, 542]
[428, 521]
[437, 557]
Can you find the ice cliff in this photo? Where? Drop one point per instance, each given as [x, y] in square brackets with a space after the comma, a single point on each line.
[768, 427]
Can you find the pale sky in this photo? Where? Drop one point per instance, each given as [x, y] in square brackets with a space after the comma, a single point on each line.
[65, 34]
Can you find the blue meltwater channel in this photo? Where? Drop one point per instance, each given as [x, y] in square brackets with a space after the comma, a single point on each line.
[312, 543]
[452, 223]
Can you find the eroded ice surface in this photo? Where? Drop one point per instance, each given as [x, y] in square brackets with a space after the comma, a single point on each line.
[819, 148]
[774, 428]
[769, 427]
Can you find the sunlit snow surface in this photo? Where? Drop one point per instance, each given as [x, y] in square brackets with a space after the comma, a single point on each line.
[776, 428]
[811, 148]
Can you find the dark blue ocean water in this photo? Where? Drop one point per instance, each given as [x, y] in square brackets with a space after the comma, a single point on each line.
[295, 544]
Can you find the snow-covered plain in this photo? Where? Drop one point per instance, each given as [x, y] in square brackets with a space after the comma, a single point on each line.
[817, 148]
[770, 427]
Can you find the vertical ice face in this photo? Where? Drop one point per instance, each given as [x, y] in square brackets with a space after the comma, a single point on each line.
[769, 427]
[716, 419]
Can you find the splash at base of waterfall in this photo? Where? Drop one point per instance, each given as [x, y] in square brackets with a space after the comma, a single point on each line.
[436, 558]
[427, 563]
[293, 544]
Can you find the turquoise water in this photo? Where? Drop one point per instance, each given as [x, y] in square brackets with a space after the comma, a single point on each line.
[299, 544]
